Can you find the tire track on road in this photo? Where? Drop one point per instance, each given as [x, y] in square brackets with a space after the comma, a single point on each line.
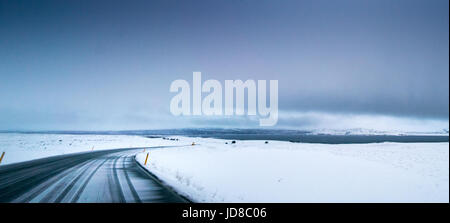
[81, 189]
[63, 194]
[132, 189]
[62, 184]
[27, 197]
[114, 184]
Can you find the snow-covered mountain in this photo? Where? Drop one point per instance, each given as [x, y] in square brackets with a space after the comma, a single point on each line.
[362, 131]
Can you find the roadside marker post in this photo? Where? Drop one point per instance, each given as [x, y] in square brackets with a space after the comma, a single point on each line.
[1, 157]
[146, 158]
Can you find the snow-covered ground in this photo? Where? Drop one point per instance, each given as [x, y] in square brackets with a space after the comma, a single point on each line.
[252, 171]
[22, 147]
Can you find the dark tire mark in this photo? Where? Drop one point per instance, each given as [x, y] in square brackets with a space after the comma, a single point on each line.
[80, 191]
[114, 184]
[132, 189]
[46, 184]
[72, 184]
[48, 197]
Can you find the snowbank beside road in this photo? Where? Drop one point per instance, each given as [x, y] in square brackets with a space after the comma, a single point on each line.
[252, 171]
[23, 147]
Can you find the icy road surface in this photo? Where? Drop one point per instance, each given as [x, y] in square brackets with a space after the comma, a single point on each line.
[98, 176]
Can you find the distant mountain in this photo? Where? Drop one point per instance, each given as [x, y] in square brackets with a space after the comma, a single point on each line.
[361, 131]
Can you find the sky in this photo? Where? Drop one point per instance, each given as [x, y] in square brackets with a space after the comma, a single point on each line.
[108, 65]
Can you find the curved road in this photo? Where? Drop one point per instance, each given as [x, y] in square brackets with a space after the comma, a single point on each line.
[98, 176]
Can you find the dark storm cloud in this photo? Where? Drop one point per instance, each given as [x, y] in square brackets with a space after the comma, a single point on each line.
[81, 61]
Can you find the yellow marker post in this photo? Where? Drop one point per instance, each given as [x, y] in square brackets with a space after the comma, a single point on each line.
[146, 158]
[1, 157]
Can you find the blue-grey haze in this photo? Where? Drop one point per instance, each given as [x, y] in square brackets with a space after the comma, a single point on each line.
[96, 65]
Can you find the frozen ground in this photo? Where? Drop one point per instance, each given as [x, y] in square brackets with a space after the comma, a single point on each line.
[22, 147]
[252, 171]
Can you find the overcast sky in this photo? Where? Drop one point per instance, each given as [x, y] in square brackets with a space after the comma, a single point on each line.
[108, 65]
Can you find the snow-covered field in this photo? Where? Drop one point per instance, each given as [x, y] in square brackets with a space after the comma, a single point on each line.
[22, 147]
[252, 171]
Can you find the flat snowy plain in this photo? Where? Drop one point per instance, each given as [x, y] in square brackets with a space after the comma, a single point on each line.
[253, 171]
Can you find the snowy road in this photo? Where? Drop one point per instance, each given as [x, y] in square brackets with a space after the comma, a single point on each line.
[98, 176]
